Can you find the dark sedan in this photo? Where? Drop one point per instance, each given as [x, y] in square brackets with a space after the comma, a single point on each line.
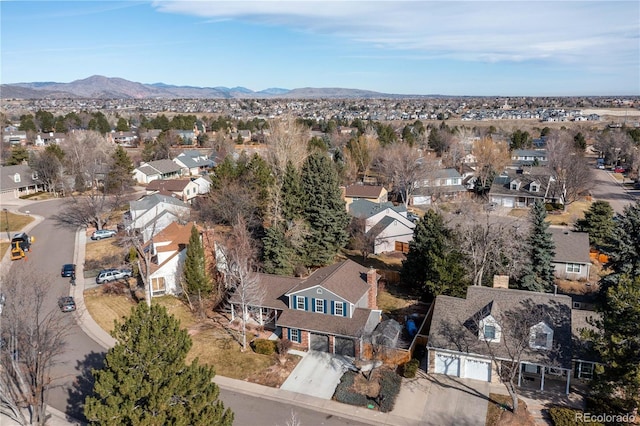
[68, 270]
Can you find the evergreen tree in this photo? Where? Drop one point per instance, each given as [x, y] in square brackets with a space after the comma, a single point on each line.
[120, 176]
[539, 275]
[432, 265]
[145, 380]
[623, 247]
[123, 125]
[324, 210]
[27, 123]
[194, 273]
[292, 194]
[616, 386]
[598, 222]
[277, 256]
[19, 154]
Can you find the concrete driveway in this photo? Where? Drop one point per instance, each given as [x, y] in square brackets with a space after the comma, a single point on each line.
[454, 401]
[317, 374]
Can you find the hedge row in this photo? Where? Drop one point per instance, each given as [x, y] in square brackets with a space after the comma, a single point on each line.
[568, 417]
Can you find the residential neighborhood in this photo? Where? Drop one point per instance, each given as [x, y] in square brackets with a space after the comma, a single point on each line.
[482, 268]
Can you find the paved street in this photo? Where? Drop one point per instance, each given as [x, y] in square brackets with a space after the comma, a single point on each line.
[607, 188]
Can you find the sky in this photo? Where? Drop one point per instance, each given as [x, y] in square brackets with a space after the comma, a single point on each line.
[447, 47]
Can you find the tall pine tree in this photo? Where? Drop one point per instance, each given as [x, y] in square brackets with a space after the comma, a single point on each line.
[616, 387]
[277, 256]
[120, 175]
[598, 222]
[432, 266]
[196, 281]
[539, 274]
[145, 380]
[324, 210]
[623, 247]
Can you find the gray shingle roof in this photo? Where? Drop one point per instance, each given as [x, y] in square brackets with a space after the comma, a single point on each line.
[347, 279]
[571, 247]
[366, 208]
[149, 201]
[453, 320]
[362, 323]
[160, 166]
[7, 177]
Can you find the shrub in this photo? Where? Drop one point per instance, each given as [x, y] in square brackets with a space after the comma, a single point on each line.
[344, 393]
[410, 368]
[561, 416]
[283, 346]
[389, 388]
[115, 287]
[264, 346]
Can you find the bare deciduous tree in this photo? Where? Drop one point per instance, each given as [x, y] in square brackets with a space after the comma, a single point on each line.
[362, 151]
[287, 142]
[33, 337]
[87, 156]
[240, 276]
[490, 246]
[403, 167]
[491, 157]
[569, 167]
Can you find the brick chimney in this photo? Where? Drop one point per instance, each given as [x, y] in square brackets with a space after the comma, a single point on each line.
[501, 281]
[372, 281]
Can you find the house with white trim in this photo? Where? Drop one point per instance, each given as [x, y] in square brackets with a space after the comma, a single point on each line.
[387, 224]
[152, 213]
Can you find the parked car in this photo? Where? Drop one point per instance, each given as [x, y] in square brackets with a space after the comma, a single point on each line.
[108, 275]
[67, 304]
[413, 217]
[619, 169]
[68, 269]
[102, 233]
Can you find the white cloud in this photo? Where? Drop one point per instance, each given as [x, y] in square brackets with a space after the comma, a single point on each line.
[580, 32]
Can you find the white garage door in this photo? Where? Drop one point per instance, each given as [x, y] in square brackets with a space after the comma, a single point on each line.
[477, 369]
[507, 202]
[448, 364]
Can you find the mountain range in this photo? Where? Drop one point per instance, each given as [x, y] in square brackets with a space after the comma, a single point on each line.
[100, 87]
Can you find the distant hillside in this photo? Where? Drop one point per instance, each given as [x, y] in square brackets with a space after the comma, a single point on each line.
[100, 87]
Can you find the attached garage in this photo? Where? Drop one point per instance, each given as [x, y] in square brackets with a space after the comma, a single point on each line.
[477, 369]
[447, 364]
[345, 346]
[507, 202]
[319, 342]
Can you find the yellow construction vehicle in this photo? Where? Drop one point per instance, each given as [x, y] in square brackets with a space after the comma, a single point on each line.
[20, 244]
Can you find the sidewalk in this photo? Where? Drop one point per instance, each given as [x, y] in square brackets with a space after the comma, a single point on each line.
[408, 410]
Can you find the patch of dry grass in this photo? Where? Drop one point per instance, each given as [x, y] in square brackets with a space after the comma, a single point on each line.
[212, 344]
[16, 222]
[105, 309]
[574, 212]
[389, 302]
[497, 415]
[103, 254]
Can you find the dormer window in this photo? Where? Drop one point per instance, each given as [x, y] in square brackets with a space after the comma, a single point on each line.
[541, 336]
[534, 187]
[489, 330]
[16, 178]
[515, 185]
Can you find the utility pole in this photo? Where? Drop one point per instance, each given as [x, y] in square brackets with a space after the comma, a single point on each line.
[6, 223]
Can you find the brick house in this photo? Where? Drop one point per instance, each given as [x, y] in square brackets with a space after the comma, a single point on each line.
[333, 310]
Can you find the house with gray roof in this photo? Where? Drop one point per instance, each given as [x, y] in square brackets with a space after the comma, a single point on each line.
[158, 169]
[332, 310]
[20, 180]
[522, 188]
[445, 183]
[474, 337]
[152, 213]
[386, 224]
[193, 162]
[571, 260]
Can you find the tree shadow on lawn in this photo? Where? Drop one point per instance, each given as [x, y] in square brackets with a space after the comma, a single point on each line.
[83, 384]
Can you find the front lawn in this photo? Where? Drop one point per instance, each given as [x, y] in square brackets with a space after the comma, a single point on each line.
[16, 222]
[212, 343]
